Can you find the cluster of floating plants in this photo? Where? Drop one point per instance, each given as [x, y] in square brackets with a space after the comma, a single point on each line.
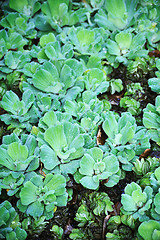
[80, 119]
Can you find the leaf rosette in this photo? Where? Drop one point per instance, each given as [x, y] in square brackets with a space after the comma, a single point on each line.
[94, 167]
[62, 147]
[124, 138]
[17, 157]
[10, 227]
[21, 113]
[153, 230]
[136, 202]
[39, 197]
[151, 120]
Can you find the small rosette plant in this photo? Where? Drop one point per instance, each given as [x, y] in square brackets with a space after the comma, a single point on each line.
[155, 179]
[62, 147]
[154, 83]
[10, 40]
[86, 41]
[124, 138]
[149, 230]
[126, 47]
[10, 227]
[136, 202]
[151, 120]
[16, 22]
[21, 113]
[17, 157]
[40, 197]
[94, 167]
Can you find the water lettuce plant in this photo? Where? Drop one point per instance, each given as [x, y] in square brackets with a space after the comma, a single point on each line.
[124, 138]
[59, 14]
[117, 14]
[21, 113]
[63, 147]
[136, 202]
[94, 167]
[126, 46]
[86, 41]
[40, 198]
[151, 120]
[10, 227]
[77, 84]
[19, 23]
[11, 40]
[18, 156]
[154, 82]
[153, 230]
[26, 7]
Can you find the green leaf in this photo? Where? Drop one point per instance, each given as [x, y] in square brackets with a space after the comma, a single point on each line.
[110, 125]
[17, 151]
[20, 233]
[157, 203]
[150, 120]
[139, 197]
[85, 37]
[50, 119]
[48, 157]
[86, 165]
[35, 209]
[128, 203]
[5, 160]
[127, 133]
[47, 80]
[88, 182]
[124, 40]
[113, 48]
[55, 182]
[111, 164]
[47, 38]
[154, 84]
[18, 5]
[28, 193]
[117, 12]
[150, 226]
[58, 142]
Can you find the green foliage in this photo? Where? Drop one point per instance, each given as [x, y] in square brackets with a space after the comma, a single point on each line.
[73, 74]
[10, 227]
[40, 198]
[85, 41]
[120, 14]
[131, 105]
[125, 138]
[83, 216]
[151, 120]
[94, 167]
[18, 156]
[57, 232]
[19, 23]
[10, 40]
[27, 7]
[63, 147]
[100, 203]
[154, 83]
[143, 166]
[34, 226]
[126, 46]
[59, 14]
[153, 230]
[21, 113]
[136, 202]
[77, 234]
